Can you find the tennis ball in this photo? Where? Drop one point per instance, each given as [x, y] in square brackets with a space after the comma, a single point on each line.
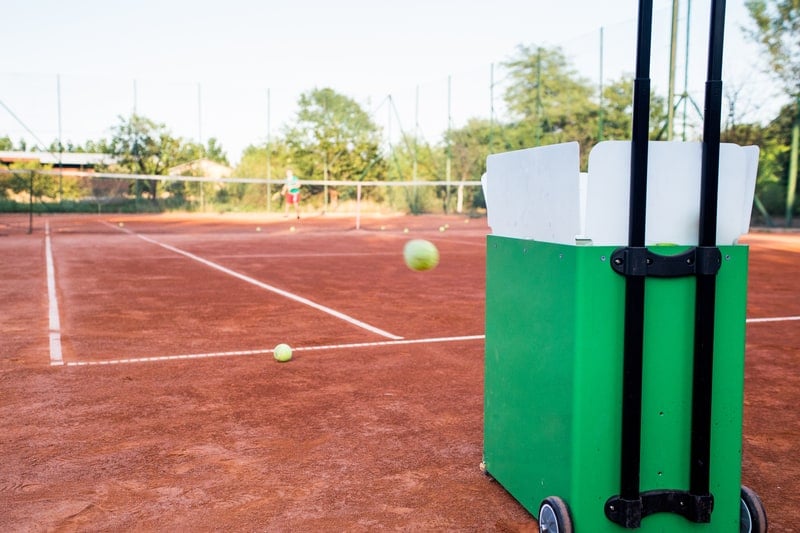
[420, 255]
[282, 353]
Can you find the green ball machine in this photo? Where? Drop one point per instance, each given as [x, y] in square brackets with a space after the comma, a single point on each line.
[614, 371]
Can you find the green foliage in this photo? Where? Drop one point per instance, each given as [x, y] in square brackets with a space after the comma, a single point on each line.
[776, 29]
[28, 181]
[551, 103]
[334, 138]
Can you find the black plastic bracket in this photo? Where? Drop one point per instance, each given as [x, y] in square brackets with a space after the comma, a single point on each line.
[629, 513]
[641, 261]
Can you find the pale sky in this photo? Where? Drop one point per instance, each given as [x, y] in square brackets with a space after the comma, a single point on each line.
[233, 69]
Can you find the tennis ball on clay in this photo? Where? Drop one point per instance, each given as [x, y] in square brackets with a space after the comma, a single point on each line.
[420, 255]
[282, 353]
[291, 229]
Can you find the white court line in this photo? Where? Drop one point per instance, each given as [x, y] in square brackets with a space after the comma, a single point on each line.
[265, 286]
[56, 357]
[266, 351]
[776, 319]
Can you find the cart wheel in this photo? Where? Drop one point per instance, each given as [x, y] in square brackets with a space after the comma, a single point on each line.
[753, 516]
[554, 516]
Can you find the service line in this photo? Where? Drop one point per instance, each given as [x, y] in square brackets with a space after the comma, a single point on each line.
[56, 357]
[328, 347]
[266, 286]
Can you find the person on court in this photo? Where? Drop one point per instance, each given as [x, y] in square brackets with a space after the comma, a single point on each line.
[291, 192]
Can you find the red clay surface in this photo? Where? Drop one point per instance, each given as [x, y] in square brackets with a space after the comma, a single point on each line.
[169, 412]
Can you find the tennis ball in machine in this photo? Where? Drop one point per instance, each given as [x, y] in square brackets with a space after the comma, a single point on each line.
[420, 255]
[282, 353]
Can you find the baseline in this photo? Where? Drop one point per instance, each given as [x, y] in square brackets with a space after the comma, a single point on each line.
[265, 351]
[775, 319]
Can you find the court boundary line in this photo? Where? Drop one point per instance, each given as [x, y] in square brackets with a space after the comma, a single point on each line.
[262, 285]
[774, 319]
[352, 345]
[54, 322]
[328, 347]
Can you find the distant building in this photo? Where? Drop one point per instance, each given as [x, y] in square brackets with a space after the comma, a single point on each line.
[202, 168]
[65, 160]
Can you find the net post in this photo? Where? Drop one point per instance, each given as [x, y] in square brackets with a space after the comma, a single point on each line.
[358, 206]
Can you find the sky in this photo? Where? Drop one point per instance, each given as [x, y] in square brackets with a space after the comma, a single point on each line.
[234, 69]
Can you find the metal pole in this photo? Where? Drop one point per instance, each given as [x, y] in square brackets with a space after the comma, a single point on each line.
[416, 134]
[538, 96]
[60, 144]
[448, 162]
[30, 203]
[358, 206]
[199, 115]
[686, 66]
[325, 185]
[707, 240]
[269, 156]
[600, 119]
[671, 88]
[635, 285]
[793, 156]
[491, 105]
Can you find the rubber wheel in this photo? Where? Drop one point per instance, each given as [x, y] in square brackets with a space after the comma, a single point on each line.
[554, 516]
[753, 516]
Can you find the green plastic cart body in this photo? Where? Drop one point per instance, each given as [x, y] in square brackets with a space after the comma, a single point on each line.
[554, 373]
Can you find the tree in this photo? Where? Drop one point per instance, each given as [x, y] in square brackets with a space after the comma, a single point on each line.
[548, 100]
[191, 151]
[262, 162]
[550, 103]
[334, 139]
[777, 30]
[142, 146]
[26, 179]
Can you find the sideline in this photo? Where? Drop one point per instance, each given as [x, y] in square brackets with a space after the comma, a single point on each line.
[265, 286]
[268, 351]
[56, 357]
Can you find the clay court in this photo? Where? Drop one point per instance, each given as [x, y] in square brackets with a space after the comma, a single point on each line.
[149, 400]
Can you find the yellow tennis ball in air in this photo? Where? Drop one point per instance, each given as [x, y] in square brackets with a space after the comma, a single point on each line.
[282, 353]
[420, 255]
